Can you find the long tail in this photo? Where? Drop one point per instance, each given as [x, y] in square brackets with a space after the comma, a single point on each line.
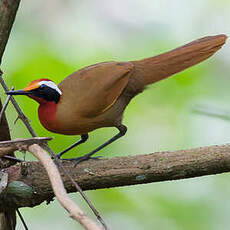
[150, 70]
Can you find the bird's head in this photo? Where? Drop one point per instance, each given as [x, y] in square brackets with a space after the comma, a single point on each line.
[42, 90]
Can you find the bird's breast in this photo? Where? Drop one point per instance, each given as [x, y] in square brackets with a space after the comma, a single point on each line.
[47, 116]
[65, 120]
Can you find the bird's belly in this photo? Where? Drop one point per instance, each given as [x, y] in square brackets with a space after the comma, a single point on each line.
[76, 128]
[72, 122]
[65, 122]
[75, 125]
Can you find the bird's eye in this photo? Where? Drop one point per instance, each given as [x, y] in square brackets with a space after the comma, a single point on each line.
[42, 87]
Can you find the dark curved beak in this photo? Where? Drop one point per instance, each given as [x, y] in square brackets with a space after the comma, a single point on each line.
[17, 92]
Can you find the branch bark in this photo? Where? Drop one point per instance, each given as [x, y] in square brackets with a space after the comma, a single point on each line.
[29, 185]
[8, 10]
[13, 145]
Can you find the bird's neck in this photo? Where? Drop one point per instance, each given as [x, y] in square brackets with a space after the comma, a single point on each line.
[47, 114]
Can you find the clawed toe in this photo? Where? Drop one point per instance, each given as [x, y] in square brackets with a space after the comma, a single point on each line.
[84, 158]
[58, 156]
[81, 159]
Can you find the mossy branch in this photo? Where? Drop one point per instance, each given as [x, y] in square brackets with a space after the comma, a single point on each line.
[114, 172]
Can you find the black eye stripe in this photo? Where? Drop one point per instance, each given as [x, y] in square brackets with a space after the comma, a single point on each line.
[47, 93]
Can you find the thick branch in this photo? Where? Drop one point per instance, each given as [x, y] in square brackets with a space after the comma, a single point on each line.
[8, 10]
[29, 184]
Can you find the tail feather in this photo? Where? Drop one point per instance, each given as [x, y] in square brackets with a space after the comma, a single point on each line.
[150, 70]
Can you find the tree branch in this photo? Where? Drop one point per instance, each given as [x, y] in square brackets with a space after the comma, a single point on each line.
[59, 190]
[53, 174]
[46, 146]
[8, 10]
[29, 185]
[18, 144]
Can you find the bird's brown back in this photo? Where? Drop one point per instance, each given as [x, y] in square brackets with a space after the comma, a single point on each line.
[96, 96]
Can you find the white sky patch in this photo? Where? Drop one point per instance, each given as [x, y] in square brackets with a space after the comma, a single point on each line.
[50, 84]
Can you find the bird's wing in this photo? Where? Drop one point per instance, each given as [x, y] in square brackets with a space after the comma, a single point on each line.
[95, 89]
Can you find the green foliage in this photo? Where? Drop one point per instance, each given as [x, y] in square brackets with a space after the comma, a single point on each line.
[161, 118]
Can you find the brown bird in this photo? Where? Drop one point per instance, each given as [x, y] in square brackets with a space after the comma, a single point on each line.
[96, 96]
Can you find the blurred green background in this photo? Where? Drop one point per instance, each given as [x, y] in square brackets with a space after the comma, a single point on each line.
[54, 38]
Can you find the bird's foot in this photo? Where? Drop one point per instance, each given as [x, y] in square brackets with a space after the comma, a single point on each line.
[82, 158]
[58, 156]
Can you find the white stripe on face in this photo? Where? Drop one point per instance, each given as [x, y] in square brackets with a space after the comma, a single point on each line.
[50, 84]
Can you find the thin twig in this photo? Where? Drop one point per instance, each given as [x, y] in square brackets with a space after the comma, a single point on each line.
[27, 141]
[46, 146]
[22, 219]
[212, 111]
[19, 111]
[59, 189]
[7, 147]
[96, 213]
[5, 105]
[12, 158]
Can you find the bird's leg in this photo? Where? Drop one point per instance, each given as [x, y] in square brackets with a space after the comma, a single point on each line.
[84, 138]
[122, 130]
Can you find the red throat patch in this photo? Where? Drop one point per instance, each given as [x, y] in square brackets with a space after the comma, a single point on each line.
[47, 115]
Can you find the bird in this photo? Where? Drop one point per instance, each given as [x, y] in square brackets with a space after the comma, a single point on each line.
[96, 96]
